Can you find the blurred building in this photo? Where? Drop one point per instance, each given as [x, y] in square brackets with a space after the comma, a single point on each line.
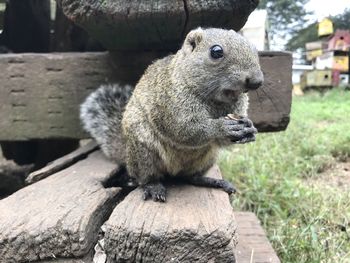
[299, 70]
[256, 30]
[329, 57]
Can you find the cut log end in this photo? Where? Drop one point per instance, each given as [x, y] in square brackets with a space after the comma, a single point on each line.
[153, 25]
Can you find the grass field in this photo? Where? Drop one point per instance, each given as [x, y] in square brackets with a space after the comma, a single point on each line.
[295, 182]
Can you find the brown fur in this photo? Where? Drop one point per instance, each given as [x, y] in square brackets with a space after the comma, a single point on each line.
[174, 122]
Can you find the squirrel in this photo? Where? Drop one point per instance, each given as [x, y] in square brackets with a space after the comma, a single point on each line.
[175, 120]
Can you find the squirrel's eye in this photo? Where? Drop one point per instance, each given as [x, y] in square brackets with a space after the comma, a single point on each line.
[216, 52]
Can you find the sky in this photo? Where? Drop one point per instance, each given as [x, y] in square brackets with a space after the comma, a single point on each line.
[323, 8]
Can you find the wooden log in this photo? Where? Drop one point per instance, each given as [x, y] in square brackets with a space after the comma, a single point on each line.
[59, 216]
[253, 245]
[41, 93]
[194, 225]
[153, 25]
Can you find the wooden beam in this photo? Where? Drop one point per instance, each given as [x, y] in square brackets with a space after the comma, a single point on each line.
[194, 225]
[60, 216]
[40, 94]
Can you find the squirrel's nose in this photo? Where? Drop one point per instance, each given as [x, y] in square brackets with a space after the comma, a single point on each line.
[253, 83]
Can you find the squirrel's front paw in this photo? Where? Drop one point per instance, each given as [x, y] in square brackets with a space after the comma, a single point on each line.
[241, 130]
[156, 191]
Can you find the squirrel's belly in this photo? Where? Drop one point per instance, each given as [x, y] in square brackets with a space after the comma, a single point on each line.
[187, 161]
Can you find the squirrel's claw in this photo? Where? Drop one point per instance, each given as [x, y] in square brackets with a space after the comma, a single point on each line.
[156, 191]
[241, 130]
[248, 138]
[228, 187]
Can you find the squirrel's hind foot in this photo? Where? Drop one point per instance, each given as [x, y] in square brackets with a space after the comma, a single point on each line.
[156, 191]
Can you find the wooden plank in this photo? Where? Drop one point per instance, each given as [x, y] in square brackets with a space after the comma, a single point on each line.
[195, 225]
[253, 245]
[153, 25]
[59, 216]
[40, 94]
[62, 163]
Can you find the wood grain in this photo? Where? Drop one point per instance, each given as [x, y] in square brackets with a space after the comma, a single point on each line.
[253, 245]
[270, 105]
[153, 25]
[194, 225]
[62, 163]
[59, 216]
[58, 219]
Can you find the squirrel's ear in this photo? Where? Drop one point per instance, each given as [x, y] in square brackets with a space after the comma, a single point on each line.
[192, 40]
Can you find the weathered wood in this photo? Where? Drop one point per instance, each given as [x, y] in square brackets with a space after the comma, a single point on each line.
[270, 105]
[57, 220]
[153, 25]
[194, 225]
[253, 245]
[221, 14]
[62, 163]
[40, 93]
[59, 216]
[69, 37]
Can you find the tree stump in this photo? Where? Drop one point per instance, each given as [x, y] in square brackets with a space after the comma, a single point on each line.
[194, 225]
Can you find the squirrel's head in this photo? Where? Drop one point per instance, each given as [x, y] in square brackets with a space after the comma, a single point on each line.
[218, 64]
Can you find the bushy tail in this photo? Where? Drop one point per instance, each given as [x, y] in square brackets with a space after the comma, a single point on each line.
[101, 116]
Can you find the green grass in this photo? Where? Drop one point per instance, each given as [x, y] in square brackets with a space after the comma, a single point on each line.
[306, 221]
